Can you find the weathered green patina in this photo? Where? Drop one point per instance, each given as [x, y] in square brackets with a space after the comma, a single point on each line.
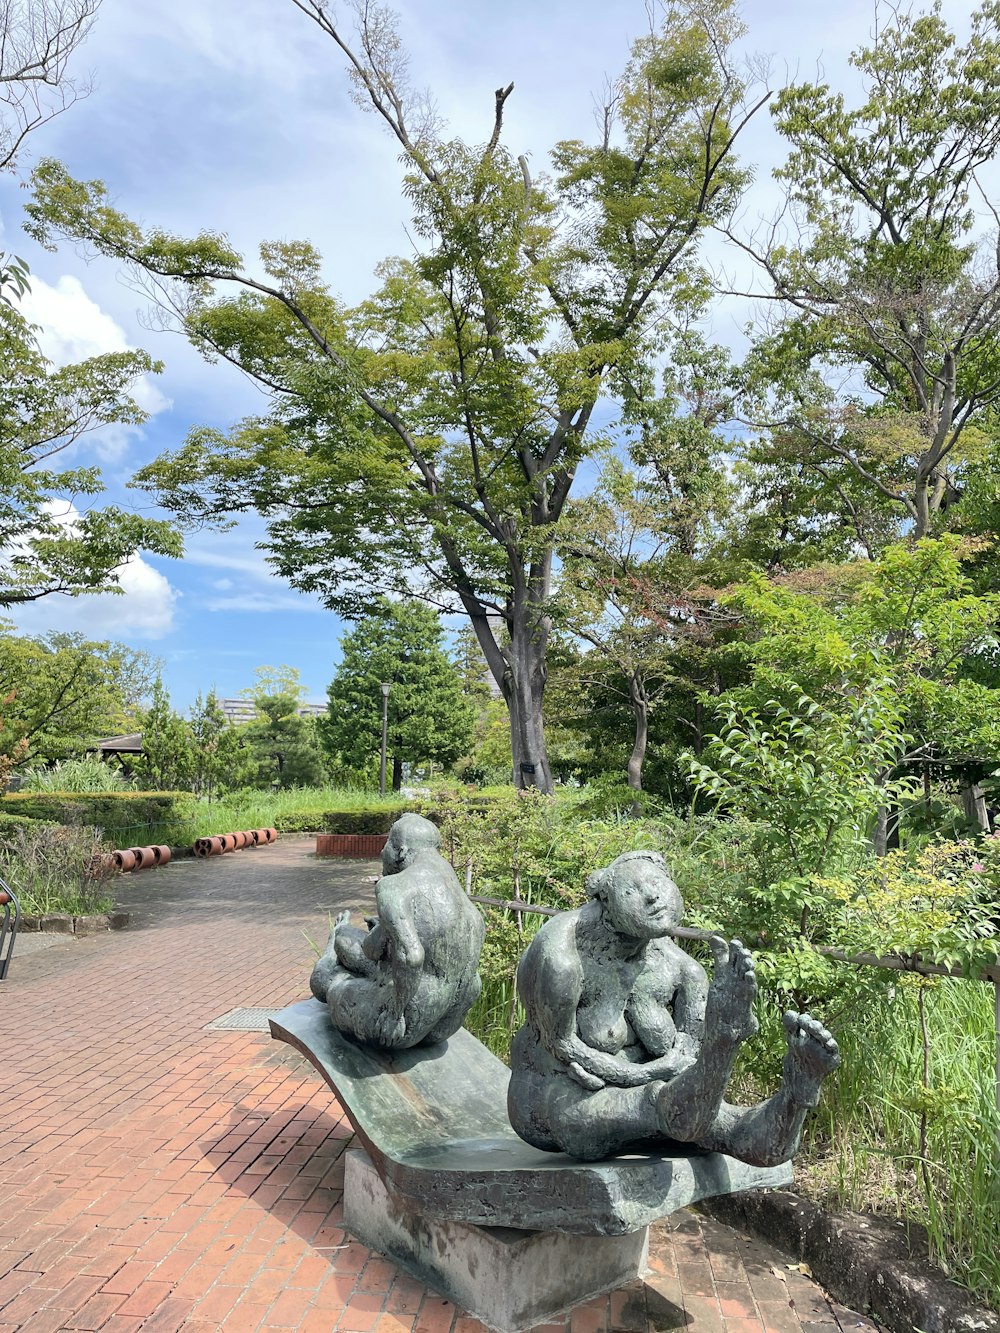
[434, 1123]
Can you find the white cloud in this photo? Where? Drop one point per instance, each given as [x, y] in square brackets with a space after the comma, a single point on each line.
[263, 601]
[247, 582]
[72, 327]
[231, 551]
[143, 610]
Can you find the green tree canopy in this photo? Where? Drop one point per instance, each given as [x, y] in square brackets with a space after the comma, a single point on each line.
[430, 715]
[284, 746]
[860, 675]
[168, 761]
[884, 357]
[52, 539]
[63, 692]
[427, 439]
[221, 759]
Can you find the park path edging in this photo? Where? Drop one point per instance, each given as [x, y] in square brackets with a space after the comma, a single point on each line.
[865, 1261]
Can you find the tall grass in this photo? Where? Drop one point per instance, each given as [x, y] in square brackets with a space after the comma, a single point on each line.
[76, 775]
[298, 810]
[909, 1124]
[57, 868]
[264, 809]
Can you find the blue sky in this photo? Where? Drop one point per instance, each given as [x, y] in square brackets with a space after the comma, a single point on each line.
[235, 115]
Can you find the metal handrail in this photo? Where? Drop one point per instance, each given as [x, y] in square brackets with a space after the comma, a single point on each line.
[9, 923]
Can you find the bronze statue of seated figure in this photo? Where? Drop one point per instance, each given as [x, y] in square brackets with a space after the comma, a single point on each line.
[627, 1043]
[411, 978]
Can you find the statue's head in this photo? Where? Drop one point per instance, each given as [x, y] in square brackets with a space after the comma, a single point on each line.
[639, 898]
[410, 835]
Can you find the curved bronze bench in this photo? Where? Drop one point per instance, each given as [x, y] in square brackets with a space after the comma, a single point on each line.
[508, 1232]
[434, 1123]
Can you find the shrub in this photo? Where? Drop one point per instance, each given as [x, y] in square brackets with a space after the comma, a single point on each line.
[9, 822]
[296, 810]
[377, 819]
[57, 869]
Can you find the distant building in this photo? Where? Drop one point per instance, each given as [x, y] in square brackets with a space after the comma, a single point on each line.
[120, 745]
[239, 711]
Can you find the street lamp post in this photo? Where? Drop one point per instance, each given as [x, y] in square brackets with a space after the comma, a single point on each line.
[385, 736]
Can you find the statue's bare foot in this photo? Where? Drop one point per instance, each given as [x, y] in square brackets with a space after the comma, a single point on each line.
[812, 1054]
[326, 964]
[729, 1011]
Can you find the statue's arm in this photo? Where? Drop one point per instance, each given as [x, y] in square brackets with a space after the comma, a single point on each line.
[551, 989]
[374, 944]
[398, 925]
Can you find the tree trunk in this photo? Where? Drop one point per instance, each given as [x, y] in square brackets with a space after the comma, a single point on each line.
[880, 835]
[974, 805]
[892, 818]
[523, 688]
[922, 507]
[518, 665]
[397, 773]
[640, 711]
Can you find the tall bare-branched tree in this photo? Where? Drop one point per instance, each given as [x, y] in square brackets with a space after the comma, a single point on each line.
[37, 38]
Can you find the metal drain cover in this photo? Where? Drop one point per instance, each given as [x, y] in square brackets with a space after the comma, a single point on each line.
[242, 1020]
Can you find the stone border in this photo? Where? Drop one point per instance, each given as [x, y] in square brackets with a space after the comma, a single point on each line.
[61, 923]
[864, 1261]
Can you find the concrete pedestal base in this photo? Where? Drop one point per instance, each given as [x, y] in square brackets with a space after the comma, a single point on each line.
[508, 1279]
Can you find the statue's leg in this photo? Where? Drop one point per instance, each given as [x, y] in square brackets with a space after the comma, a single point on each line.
[768, 1134]
[355, 1004]
[594, 1125]
[322, 973]
[689, 1104]
[449, 1023]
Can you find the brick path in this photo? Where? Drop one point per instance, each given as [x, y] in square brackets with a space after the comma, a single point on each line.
[157, 1176]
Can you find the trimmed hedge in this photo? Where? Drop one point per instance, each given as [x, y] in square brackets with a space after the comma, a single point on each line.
[7, 822]
[113, 811]
[299, 821]
[375, 819]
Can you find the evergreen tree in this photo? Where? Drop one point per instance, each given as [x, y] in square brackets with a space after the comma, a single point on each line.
[221, 757]
[284, 747]
[430, 714]
[167, 761]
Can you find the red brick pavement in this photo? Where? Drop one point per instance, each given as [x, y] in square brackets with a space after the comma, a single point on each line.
[158, 1176]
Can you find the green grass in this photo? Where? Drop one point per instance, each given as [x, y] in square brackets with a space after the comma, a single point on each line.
[294, 811]
[923, 1152]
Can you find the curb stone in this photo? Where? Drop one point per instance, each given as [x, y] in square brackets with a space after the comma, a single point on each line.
[61, 923]
[863, 1261]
